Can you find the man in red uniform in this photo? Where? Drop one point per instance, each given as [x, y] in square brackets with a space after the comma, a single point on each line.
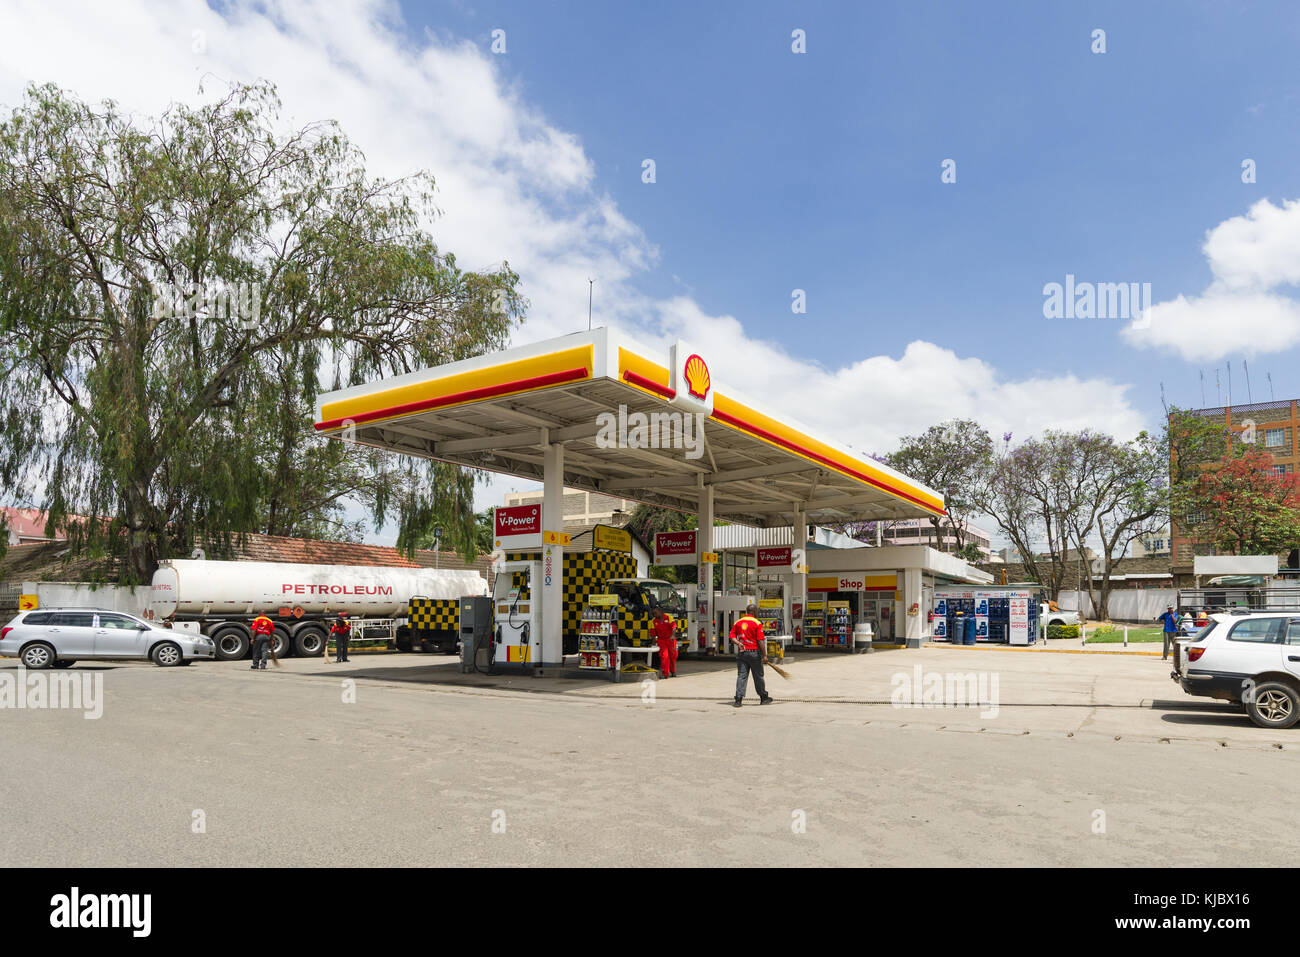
[341, 631]
[665, 630]
[751, 655]
[263, 627]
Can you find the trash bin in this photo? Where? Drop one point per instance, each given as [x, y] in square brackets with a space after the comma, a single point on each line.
[862, 637]
[968, 634]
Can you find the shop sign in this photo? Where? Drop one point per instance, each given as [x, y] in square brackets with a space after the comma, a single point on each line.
[613, 539]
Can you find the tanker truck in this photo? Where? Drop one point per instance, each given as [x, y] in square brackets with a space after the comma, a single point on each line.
[220, 599]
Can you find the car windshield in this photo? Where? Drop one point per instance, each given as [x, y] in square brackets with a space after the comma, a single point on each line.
[663, 596]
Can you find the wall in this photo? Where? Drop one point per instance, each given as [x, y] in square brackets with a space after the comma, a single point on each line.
[1135, 605]
[133, 601]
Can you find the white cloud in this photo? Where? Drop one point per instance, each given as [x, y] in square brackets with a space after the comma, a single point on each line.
[514, 187]
[1242, 311]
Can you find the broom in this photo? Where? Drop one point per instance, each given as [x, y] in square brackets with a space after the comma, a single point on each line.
[779, 670]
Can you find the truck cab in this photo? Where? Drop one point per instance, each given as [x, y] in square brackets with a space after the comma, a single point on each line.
[640, 600]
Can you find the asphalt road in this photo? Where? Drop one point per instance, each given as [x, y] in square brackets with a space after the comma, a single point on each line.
[1076, 768]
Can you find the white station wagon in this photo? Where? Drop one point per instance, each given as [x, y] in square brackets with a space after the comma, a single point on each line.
[1251, 659]
[56, 637]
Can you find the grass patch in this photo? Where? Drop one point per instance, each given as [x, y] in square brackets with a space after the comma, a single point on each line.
[1114, 634]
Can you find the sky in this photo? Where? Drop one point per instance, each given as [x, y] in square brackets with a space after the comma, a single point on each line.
[917, 174]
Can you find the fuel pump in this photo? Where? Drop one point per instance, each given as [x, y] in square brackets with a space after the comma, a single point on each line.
[516, 600]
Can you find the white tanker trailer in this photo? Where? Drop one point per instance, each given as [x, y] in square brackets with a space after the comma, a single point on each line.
[223, 598]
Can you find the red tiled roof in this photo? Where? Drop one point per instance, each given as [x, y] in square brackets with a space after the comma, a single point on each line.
[275, 548]
[27, 522]
[482, 564]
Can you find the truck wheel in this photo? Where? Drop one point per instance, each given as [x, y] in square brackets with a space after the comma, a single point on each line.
[280, 643]
[1274, 705]
[403, 644]
[309, 642]
[167, 654]
[232, 644]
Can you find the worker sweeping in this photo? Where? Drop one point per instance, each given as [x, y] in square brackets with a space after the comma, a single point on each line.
[747, 634]
[665, 630]
[263, 628]
[341, 632]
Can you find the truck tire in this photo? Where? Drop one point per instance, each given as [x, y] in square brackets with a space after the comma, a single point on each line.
[281, 643]
[309, 642]
[231, 642]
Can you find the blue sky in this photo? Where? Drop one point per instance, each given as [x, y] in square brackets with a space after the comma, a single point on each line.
[821, 171]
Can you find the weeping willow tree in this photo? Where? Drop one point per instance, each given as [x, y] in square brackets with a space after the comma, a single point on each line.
[174, 293]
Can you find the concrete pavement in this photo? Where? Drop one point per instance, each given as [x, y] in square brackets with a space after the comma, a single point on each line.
[400, 760]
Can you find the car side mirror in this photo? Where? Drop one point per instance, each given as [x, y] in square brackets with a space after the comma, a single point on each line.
[141, 627]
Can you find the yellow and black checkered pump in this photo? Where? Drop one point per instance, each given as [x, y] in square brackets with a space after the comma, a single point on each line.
[585, 573]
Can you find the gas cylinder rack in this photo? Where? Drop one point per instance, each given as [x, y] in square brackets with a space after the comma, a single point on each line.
[839, 625]
[598, 637]
[814, 622]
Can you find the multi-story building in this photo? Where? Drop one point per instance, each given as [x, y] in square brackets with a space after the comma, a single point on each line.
[582, 508]
[919, 531]
[1156, 544]
[1271, 427]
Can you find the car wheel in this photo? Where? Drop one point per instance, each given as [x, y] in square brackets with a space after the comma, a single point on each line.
[167, 655]
[37, 655]
[309, 643]
[1274, 705]
[232, 644]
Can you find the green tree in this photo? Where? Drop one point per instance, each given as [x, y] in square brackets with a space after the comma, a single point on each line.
[953, 458]
[174, 294]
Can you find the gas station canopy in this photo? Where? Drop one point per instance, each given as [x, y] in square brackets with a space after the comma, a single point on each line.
[613, 404]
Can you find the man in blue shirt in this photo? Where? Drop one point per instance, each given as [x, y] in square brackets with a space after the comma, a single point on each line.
[1171, 629]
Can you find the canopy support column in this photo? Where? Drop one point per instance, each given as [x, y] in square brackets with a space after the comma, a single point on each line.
[704, 542]
[552, 584]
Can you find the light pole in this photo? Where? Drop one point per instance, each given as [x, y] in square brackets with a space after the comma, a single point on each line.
[437, 546]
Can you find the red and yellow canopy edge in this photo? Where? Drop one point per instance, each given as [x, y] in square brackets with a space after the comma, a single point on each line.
[652, 378]
[508, 378]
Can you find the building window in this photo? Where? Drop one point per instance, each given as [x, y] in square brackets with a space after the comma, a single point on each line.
[1274, 438]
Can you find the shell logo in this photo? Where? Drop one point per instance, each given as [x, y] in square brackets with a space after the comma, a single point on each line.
[696, 374]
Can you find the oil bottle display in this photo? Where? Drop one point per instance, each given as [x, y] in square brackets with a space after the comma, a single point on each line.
[839, 624]
[814, 622]
[598, 633]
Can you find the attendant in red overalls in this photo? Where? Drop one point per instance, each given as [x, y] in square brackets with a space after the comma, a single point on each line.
[665, 630]
[341, 631]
